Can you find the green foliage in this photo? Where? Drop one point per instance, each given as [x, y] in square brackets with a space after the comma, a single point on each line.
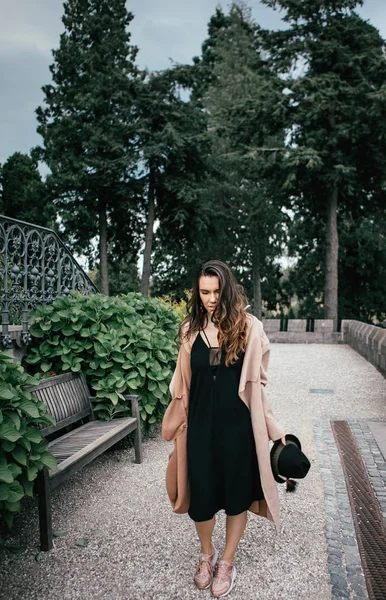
[123, 276]
[247, 137]
[362, 290]
[201, 72]
[334, 67]
[234, 200]
[180, 306]
[264, 135]
[173, 146]
[122, 344]
[312, 9]
[23, 194]
[305, 280]
[23, 450]
[362, 264]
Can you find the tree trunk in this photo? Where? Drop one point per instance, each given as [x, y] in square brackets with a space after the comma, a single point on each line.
[149, 237]
[103, 266]
[332, 255]
[256, 283]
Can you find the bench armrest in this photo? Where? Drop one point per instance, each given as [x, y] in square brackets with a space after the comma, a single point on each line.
[134, 406]
[93, 399]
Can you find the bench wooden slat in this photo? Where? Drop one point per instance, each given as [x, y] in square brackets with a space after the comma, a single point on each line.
[83, 436]
[52, 381]
[70, 448]
[91, 429]
[69, 397]
[75, 462]
[81, 415]
[91, 425]
[66, 397]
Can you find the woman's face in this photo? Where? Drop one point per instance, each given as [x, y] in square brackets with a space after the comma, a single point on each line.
[209, 288]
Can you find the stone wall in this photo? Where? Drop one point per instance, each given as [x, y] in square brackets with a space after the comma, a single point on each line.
[323, 332]
[368, 340]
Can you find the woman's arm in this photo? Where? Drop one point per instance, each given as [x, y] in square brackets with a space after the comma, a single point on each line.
[175, 417]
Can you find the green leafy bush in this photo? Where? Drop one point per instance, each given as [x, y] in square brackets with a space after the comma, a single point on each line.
[180, 306]
[122, 344]
[23, 450]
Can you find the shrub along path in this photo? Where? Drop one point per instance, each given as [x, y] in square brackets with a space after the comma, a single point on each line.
[123, 541]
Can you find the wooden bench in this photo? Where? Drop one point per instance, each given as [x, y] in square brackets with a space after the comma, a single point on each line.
[67, 399]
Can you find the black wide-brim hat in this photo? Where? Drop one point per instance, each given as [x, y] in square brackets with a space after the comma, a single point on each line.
[288, 461]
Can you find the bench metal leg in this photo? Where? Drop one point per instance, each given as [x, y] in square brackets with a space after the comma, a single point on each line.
[138, 443]
[44, 500]
[137, 431]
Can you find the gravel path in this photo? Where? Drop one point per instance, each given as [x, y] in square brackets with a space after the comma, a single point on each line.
[138, 549]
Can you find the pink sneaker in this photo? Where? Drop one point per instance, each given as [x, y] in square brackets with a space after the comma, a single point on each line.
[224, 579]
[204, 574]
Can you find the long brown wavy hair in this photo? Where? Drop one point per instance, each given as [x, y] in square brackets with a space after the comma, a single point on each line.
[229, 315]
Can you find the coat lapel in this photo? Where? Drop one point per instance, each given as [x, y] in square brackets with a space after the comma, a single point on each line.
[251, 363]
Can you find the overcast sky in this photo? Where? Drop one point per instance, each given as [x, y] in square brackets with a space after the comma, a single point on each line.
[162, 30]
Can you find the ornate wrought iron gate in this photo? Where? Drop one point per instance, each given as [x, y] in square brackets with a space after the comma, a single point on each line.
[35, 268]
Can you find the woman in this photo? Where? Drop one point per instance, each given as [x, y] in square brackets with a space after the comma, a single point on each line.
[221, 422]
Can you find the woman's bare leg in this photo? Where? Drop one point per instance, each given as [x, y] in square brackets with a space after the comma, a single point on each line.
[204, 531]
[235, 527]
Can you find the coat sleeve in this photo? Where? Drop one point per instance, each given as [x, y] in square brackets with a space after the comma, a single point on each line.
[264, 359]
[275, 430]
[176, 415]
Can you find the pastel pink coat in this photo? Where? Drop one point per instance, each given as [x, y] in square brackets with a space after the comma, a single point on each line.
[251, 391]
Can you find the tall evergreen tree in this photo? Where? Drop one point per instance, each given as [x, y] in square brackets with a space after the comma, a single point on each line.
[88, 121]
[244, 104]
[201, 72]
[228, 192]
[173, 145]
[162, 133]
[23, 194]
[337, 102]
[362, 265]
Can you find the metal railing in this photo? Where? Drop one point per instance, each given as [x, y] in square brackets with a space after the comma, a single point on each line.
[35, 268]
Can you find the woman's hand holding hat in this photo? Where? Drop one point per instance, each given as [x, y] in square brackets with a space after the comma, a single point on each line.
[288, 460]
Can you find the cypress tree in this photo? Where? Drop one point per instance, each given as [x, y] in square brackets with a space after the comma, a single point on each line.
[88, 119]
[23, 194]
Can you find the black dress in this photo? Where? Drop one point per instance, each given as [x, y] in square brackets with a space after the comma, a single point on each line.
[222, 463]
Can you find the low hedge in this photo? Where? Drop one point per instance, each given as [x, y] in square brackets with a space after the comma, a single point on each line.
[23, 450]
[122, 344]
